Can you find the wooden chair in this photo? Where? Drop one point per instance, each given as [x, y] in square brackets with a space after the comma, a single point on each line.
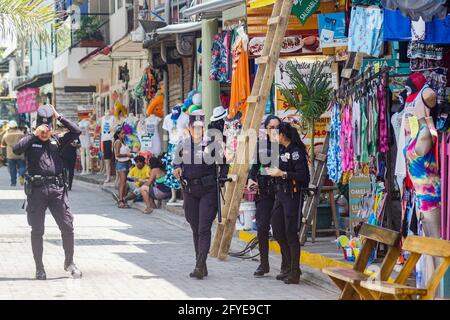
[417, 246]
[348, 280]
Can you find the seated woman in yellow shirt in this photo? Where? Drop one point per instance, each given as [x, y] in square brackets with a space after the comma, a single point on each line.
[155, 188]
[137, 176]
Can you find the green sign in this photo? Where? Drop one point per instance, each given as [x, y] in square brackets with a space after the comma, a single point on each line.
[303, 9]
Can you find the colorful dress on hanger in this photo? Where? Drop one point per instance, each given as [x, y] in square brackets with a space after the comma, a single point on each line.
[220, 57]
[364, 157]
[373, 125]
[347, 145]
[334, 151]
[240, 80]
[383, 141]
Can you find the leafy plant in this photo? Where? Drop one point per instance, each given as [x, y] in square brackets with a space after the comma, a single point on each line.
[89, 29]
[24, 18]
[310, 93]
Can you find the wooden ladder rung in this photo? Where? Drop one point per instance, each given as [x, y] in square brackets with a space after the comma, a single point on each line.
[263, 60]
[274, 20]
[253, 99]
[321, 157]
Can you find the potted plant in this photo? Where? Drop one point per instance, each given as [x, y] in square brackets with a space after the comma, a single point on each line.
[310, 93]
[89, 33]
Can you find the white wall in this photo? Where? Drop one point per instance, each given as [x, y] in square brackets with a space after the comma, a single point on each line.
[118, 24]
[67, 64]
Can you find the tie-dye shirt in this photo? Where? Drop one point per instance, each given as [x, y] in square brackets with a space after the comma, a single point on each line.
[424, 174]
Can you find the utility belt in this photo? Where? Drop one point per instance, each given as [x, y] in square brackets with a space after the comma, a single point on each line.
[266, 184]
[37, 181]
[286, 185]
[207, 181]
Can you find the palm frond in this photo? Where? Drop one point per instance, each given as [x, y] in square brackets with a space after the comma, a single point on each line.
[25, 18]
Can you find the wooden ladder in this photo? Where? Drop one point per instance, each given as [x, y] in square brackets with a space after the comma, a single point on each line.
[316, 184]
[256, 104]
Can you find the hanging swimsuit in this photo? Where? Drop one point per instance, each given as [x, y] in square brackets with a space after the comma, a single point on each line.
[383, 142]
[374, 120]
[424, 174]
[364, 158]
[334, 150]
[347, 146]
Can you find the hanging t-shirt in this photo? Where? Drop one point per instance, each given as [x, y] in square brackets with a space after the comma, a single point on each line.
[85, 139]
[396, 27]
[108, 123]
[175, 128]
[148, 133]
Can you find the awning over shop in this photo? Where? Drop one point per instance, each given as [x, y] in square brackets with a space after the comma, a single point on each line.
[122, 49]
[150, 26]
[211, 7]
[35, 82]
[180, 28]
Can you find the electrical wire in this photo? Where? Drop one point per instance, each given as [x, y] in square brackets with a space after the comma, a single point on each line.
[244, 254]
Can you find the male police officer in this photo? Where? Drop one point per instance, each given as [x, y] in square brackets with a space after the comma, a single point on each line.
[195, 164]
[45, 185]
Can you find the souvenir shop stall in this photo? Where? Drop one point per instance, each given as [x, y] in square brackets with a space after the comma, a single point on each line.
[390, 115]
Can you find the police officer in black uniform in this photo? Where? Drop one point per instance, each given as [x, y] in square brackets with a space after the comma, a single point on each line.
[45, 185]
[291, 175]
[196, 160]
[265, 195]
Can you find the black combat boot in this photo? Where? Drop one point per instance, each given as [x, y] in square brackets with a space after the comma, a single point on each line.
[294, 277]
[200, 270]
[285, 269]
[192, 273]
[71, 267]
[262, 270]
[40, 273]
[263, 267]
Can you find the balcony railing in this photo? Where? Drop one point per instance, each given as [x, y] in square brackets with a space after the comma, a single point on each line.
[157, 13]
[82, 30]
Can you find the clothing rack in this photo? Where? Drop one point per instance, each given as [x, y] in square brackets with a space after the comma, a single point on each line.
[354, 83]
[349, 88]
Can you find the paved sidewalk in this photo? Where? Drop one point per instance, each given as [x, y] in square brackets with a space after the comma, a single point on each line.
[125, 254]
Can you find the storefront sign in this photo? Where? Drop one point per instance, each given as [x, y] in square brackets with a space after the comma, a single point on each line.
[332, 30]
[303, 9]
[26, 100]
[257, 21]
[295, 44]
[287, 112]
[358, 187]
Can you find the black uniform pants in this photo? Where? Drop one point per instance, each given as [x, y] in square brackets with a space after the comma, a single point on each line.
[54, 198]
[69, 164]
[264, 206]
[285, 219]
[200, 209]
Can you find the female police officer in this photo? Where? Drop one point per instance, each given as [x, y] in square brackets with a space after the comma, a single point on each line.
[265, 196]
[291, 175]
[195, 165]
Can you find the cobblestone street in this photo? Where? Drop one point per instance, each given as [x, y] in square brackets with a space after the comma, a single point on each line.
[123, 254]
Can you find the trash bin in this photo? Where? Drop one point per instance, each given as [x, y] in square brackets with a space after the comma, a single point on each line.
[247, 212]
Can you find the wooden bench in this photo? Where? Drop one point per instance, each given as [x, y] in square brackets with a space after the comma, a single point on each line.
[417, 246]
[348, 280]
